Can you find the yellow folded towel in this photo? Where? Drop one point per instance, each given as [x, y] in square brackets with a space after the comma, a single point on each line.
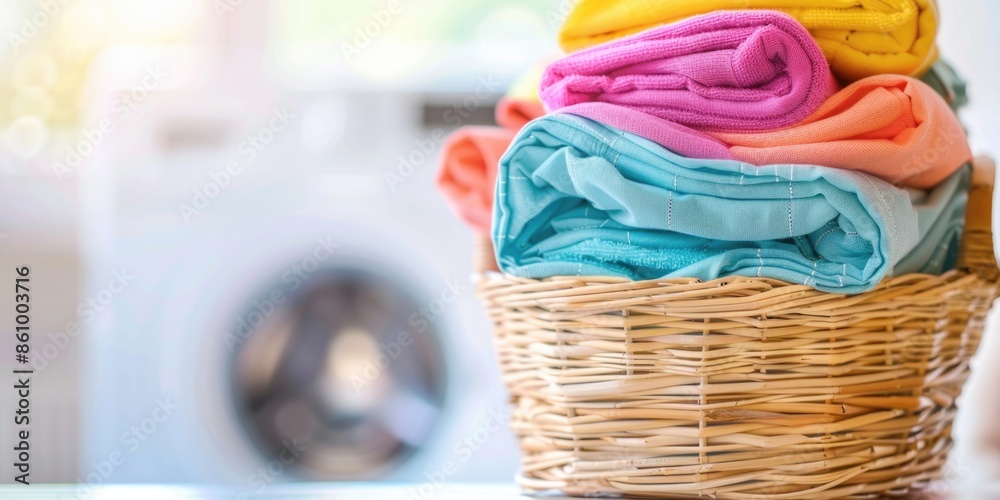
[860, 38]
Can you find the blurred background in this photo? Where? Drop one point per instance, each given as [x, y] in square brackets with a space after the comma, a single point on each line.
[237, 251]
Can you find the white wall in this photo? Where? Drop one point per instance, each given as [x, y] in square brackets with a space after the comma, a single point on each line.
[970, 39]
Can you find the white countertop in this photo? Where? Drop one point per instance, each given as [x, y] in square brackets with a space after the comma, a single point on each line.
[334, 491]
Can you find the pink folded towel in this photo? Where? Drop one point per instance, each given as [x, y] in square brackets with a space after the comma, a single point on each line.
[724, 71]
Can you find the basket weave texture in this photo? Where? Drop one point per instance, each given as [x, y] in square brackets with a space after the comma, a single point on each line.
[740, 388]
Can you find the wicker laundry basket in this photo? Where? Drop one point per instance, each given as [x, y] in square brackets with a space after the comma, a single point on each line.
[740, 388]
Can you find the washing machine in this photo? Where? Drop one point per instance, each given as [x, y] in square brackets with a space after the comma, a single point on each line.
[287, 313]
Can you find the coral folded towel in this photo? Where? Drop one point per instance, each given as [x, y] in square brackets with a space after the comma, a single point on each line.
[731, 70]
[468, 171]
[893, 127]
[859, 37]
[469, 157]
[575, 197]
[514, 113]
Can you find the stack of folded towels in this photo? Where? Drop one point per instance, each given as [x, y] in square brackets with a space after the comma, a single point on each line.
[792, 140]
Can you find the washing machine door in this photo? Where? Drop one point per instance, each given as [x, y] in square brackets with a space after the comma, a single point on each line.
[332, 377]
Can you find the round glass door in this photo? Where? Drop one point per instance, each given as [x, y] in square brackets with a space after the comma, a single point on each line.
[341, 373]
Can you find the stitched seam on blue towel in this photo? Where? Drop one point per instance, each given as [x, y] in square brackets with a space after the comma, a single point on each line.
[670, 210]
[892, 217]
[791, 197]
[833, 230]
[616, 140]
[593, 132]
[761, 268]
[592, 227]
[812, 275]
[791, 193]
[937, 259]
[503, 194]
[670, 206]
[827, 233]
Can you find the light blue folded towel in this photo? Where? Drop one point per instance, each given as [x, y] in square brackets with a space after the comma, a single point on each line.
[575, 197]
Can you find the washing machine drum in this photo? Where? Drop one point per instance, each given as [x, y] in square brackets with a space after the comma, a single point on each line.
[339, 378]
